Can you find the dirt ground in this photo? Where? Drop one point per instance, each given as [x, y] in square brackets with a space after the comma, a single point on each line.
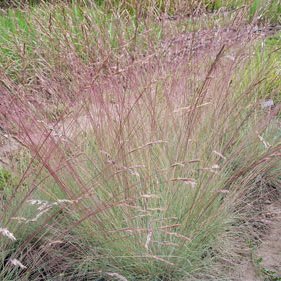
[265, 263]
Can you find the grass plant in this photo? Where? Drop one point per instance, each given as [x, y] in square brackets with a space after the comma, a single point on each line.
[139, 160]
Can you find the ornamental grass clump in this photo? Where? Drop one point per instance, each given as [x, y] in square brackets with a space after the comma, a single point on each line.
[142, 167]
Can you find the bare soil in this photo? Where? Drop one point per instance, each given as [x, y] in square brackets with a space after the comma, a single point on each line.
[268, 252]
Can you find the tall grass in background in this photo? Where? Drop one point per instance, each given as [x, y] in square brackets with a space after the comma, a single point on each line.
[136, 164]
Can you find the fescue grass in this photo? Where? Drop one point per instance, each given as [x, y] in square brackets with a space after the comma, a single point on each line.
[139, 161]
